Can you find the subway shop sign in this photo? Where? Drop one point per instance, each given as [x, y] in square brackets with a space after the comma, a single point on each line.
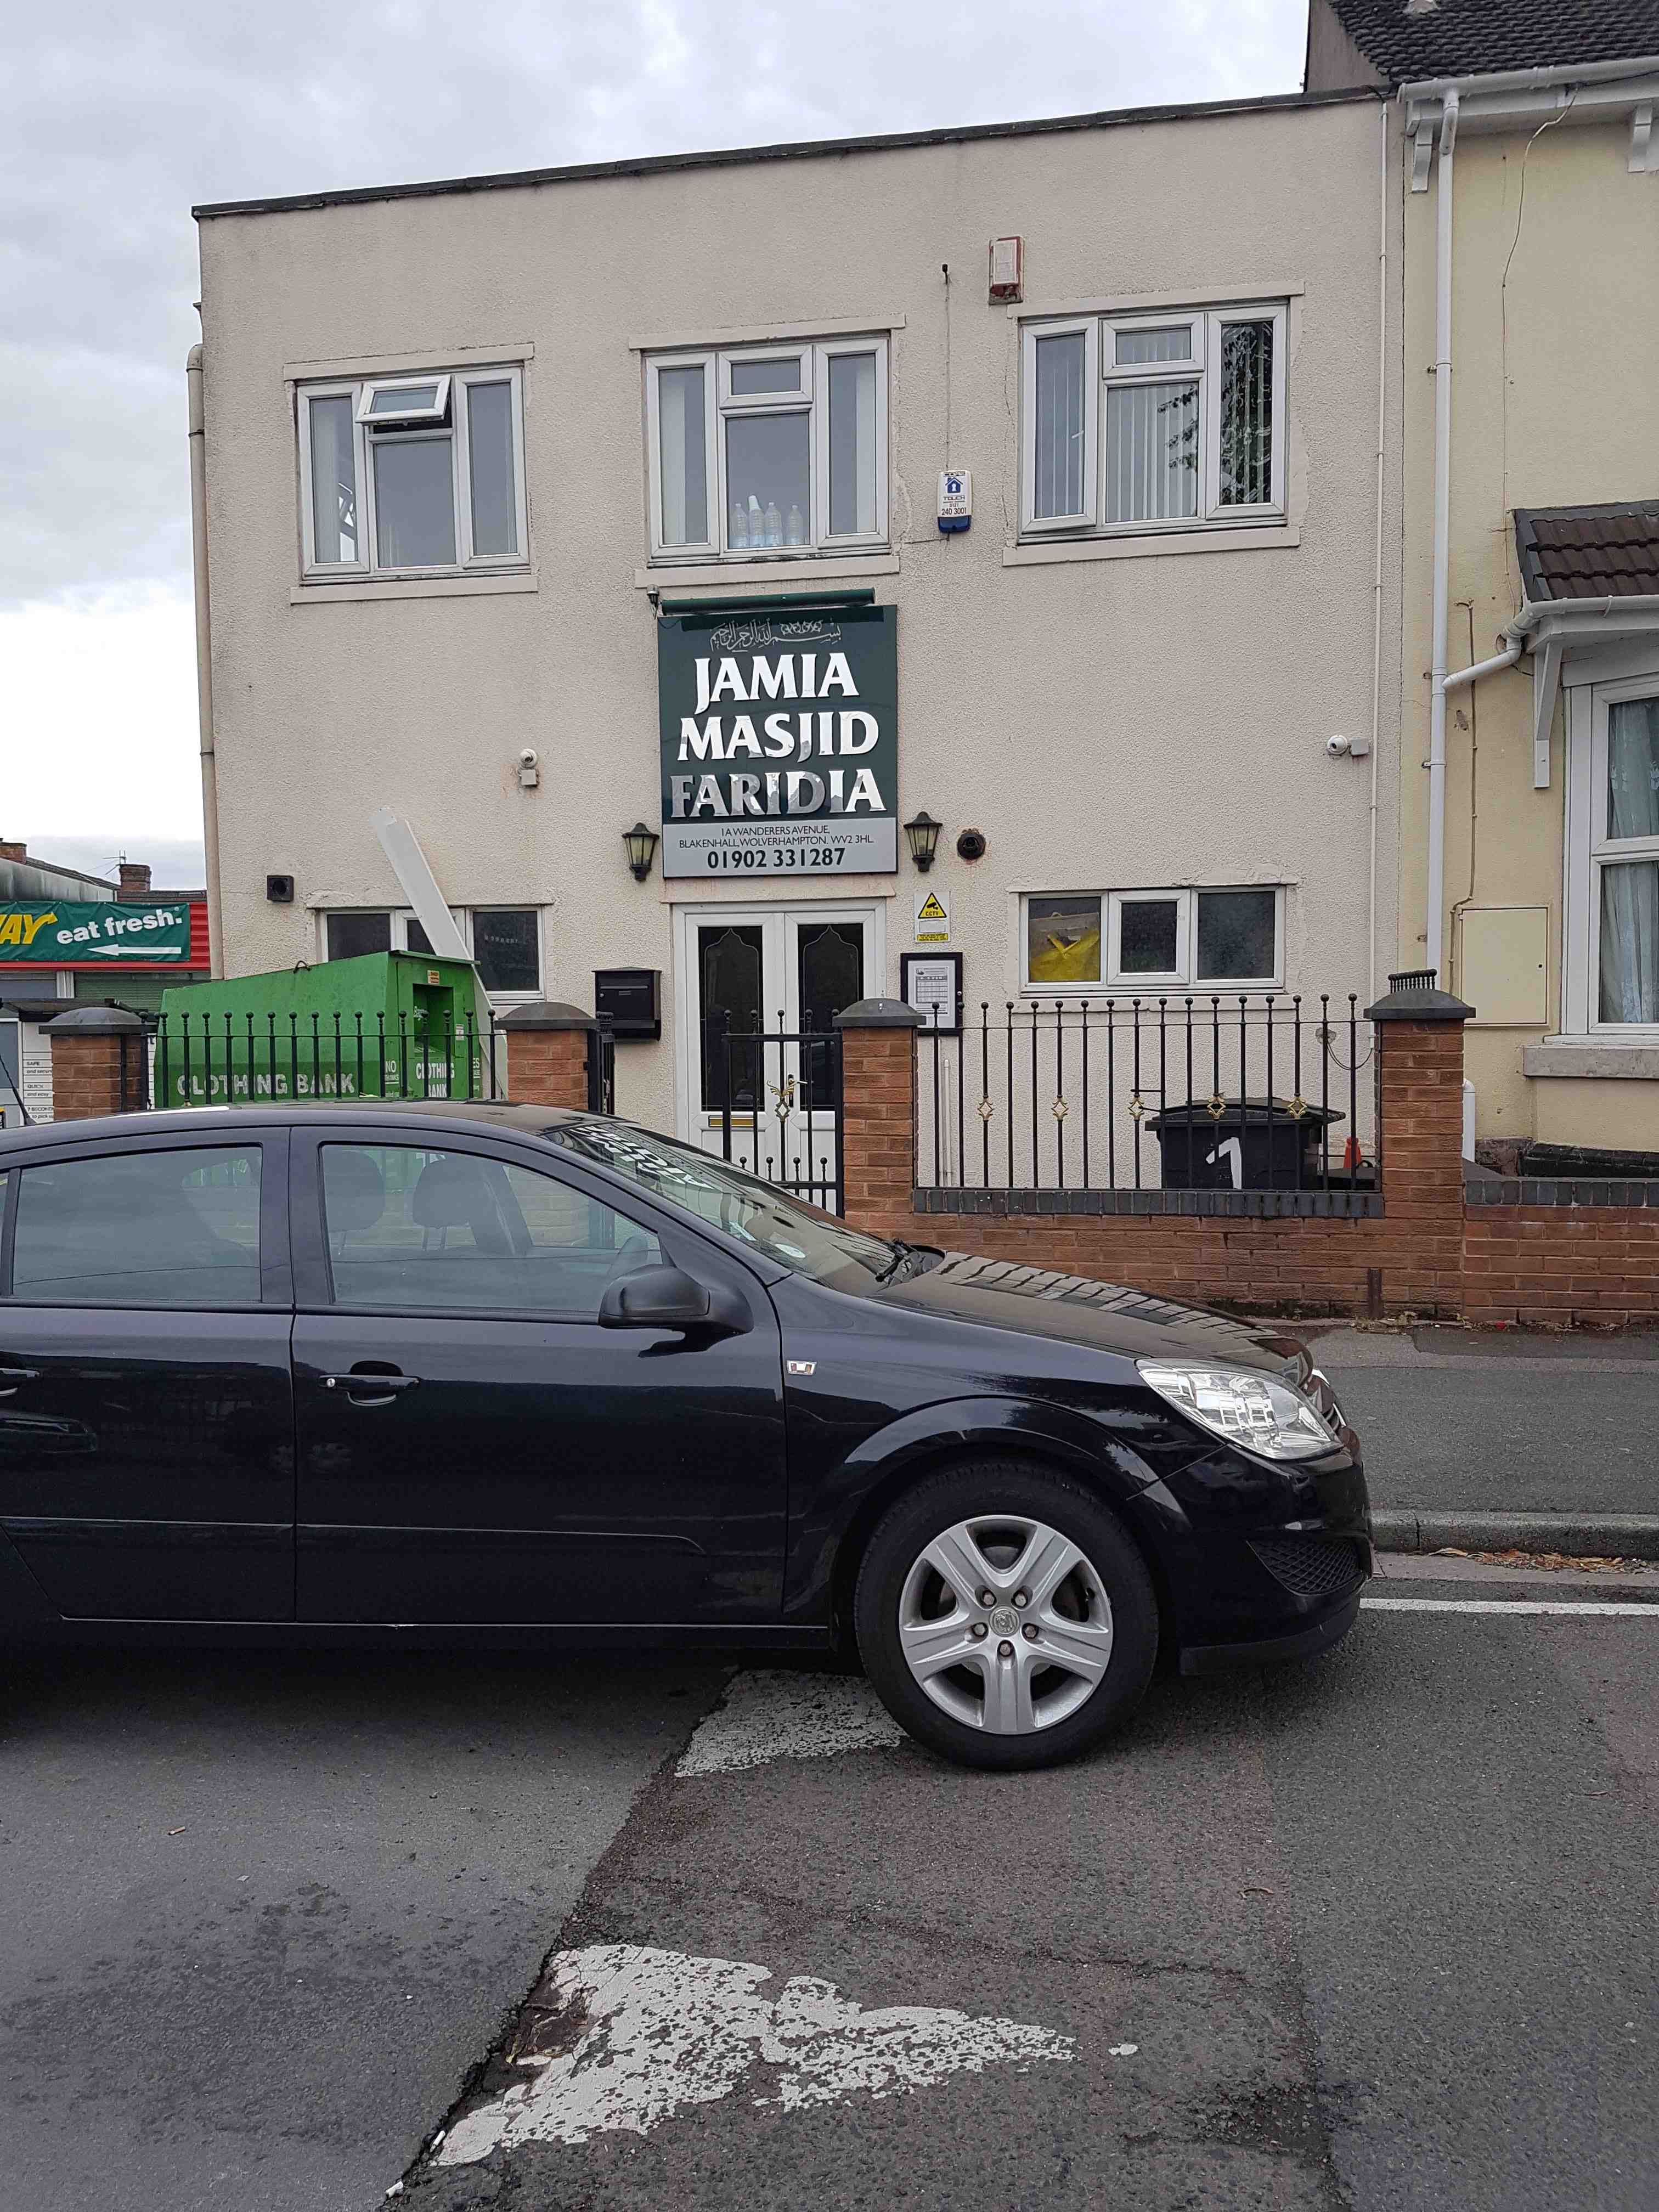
[48, 934]
[780, 742]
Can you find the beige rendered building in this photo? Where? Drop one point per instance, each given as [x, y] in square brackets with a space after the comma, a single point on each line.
[532, 506]
[1529, 763]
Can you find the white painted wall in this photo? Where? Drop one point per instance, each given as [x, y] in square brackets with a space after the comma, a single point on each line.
[1135, 720]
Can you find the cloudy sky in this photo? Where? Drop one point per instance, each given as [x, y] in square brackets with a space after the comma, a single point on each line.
[115, 118]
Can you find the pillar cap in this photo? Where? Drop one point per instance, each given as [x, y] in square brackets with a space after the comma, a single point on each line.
[1414, 995]
[880, 1014]
[547, 1014]
[95, 1021]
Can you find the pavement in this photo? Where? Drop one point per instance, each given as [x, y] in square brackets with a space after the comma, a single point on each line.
[1464, 1423]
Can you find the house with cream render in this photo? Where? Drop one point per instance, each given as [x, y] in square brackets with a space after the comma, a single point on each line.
[683, 554]
[1529, 853]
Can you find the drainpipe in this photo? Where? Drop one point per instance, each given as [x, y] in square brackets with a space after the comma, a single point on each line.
[1381, 441]
[1442, 367]
[204, 658]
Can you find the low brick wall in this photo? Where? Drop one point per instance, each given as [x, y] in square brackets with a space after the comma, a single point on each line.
[1569, 1254]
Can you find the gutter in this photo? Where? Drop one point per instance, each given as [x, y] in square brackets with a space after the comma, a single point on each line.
[204, 658]
[1531, 79]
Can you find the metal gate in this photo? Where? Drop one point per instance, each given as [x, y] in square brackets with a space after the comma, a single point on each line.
[779, 1098]
[602, 1069]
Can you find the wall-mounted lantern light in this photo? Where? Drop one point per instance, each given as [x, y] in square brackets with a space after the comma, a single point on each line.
[641, 845]
[921, 834]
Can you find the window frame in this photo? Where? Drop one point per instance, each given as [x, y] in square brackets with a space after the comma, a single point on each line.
[1589, 850]
[455, 396]
[1102, 372]
[1117, 982]
[400, 917]
[722, 406]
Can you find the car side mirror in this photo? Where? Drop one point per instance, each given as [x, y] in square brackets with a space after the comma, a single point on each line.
[667, 1297]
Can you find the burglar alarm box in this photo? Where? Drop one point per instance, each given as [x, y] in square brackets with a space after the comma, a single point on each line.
[628, 1000]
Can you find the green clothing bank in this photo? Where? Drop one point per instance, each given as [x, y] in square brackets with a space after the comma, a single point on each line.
[386, 1026]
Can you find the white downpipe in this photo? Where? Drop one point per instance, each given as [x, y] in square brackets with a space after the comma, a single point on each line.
[1382, 429]
[1443, 396]
[198, 548]
[1511, 652]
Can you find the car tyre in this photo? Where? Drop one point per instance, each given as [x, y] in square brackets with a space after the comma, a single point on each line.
[950, 1668]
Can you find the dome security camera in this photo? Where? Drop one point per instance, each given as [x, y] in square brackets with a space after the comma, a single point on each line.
[1339, 748]
[529, 757]
[528, 771]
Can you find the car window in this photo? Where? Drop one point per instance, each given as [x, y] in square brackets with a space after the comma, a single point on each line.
[458, 1231]
[171, 1227]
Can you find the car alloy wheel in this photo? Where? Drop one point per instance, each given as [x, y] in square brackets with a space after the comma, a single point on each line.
[1004, 1614]
[1006, 1625]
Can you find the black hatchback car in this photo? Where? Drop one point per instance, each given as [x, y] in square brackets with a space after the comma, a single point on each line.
[500, 1370]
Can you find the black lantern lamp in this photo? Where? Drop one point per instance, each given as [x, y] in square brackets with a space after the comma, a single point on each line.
[642, 844]
[921, 834]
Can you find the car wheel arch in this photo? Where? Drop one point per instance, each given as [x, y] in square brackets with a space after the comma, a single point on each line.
[974, 1435]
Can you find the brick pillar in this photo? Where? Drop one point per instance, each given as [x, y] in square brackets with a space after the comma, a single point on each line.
[98, 1063]
[547, 1049]
[878, 1112]
[1419, 1142]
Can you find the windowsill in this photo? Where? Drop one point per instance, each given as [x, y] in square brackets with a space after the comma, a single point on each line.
[1597, 1059]
[1035, 553]
[804, 568]
[318, 592]
[1149, 989]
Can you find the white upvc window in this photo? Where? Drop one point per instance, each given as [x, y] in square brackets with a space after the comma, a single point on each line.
[1221, 939]
[765, 451]
[505, 941]
[1611, 929]
[1153, 422]
[413, 476]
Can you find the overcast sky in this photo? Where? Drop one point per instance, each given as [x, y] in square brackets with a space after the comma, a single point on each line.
[115, 118]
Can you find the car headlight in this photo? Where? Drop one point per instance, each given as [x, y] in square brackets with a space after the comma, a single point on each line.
[1243, 1405]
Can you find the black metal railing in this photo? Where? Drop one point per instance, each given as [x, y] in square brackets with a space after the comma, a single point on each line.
[1243, 1091]
[227, 1059]
[774, 1096]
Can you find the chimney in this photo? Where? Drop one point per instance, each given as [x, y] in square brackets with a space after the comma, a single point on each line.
[134, 880]
[12, 851]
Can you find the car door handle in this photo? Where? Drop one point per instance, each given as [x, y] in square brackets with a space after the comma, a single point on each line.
[370, 1390]
[11, 1377]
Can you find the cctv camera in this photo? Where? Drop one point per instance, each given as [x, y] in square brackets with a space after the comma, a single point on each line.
[1338, 748]
[528, 757]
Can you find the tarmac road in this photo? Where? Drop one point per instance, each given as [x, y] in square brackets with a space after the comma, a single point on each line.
[1376, 1933]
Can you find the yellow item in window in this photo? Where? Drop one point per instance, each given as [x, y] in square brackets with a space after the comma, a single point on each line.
[1059, 961]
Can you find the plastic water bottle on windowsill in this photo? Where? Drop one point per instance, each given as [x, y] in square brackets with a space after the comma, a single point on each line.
[795, 528]
[739, 525]
[774, 523]
[756, 522]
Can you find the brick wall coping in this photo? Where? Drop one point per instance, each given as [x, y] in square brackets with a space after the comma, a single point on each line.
[1411, 1002]
[95, 1021]
[879, 1014]
[547, 1014]
[1232, 1205]
[1558, 1190]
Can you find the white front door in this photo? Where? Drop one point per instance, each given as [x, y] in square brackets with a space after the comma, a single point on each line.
[757, 984]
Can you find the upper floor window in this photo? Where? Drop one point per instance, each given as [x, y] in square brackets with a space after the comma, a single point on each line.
[413, 476]
[768, 451]
[1154, 422]
[505, 941]
[1611, 920]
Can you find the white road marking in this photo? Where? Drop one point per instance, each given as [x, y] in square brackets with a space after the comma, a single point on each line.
[771, 1715]
[658, 2032]
[1608, 1608]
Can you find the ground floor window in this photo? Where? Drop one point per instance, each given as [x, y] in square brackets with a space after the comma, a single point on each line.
[505, 941]
[1131, 941]
[1611, 922]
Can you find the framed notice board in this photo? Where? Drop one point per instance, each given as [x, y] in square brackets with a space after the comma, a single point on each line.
[932, 983]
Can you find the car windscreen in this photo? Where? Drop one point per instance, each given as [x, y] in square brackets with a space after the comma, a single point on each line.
[799, 1236]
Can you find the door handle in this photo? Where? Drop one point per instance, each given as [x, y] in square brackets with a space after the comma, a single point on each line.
[11, 1377]
[370, 1390]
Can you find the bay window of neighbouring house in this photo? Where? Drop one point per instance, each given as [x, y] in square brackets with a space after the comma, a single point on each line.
[1153, 422]
[1151, 940]
[768, 451]
[1612, 938]
[412, 476]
